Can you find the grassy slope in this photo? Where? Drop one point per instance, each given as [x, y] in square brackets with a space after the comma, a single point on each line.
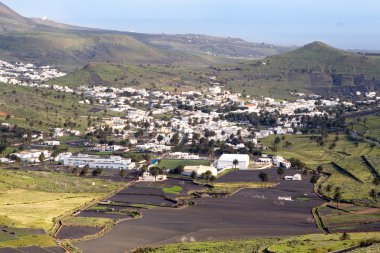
[138, 76]
[241, 246]
[368, 126]
[346, 155]
[33, 199]
[320, 243]
[29, 103]
[306, 68]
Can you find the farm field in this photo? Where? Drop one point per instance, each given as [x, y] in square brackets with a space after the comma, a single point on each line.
[247, 213]
[347, 217]
[32, 199]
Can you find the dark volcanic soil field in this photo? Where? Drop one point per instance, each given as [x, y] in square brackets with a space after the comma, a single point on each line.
[250, 212]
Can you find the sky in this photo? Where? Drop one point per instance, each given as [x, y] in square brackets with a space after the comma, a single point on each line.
[348, 24]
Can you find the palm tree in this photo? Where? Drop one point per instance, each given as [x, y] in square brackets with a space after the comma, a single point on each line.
[122, 173]
[208, 175]
[280, 171]
[337, 198]
[373, 194]
[84, 171]
[264, 177]
[320, 169]
[235, 163]
[212, 179]
[193, 175]
[276, 141]
[283, 140]
[41, 158]
[155, 171]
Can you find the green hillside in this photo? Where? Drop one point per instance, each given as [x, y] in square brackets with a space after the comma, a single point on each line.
[311, 68]
[42, 109]
[168, 77]
[47, 42]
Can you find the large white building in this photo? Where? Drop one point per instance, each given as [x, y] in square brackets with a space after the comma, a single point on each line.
[188, 170]
[95, 162]
[32, 156]
[226, 161]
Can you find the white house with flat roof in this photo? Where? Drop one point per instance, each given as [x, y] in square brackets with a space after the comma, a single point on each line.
[188, 170]
[95, 162]
[226, 161]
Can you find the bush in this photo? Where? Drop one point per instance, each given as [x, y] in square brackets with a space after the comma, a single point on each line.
[368, 242]
[345, 236]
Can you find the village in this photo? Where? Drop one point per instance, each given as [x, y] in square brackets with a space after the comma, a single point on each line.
[213, 125]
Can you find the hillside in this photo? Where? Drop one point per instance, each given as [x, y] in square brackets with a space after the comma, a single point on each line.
[316, 67]
[48, 42]
[168, 77]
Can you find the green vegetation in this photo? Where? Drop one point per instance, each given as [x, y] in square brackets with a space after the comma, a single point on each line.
[236, 246]
[347, 216]
[28, 240]
[172, 164]
[367, 126]
[86, 221]
[343, 166]
[42, 109]
[322, 243]
[172, 190]
[34, 199]
[308, 68]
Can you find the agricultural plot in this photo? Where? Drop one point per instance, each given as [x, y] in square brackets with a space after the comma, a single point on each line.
[33, 199]
[247, 213]
[350, 218]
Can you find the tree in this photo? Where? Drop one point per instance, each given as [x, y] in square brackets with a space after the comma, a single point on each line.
[212, 179]
[97, 172]
[208, 174]
[122, 173]
[235, 163]
[193, 175]
[42, 158]
[314, 179]
[74, 170]
[155, 171]
[280, 171]
[160, 138]
[320, 169]
[276, 141]
[373, 194]
[337, 198]
[84, 171]
[283, 140]
[345, 236]
[264, 177]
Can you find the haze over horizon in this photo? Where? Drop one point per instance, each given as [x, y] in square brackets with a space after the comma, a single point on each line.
[343, 24]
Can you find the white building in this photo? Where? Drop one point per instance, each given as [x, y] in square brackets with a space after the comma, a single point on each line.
[94, 162]
[226, 161]
[147, 177]
[296, 177]
[32, 156]
[188, 170]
